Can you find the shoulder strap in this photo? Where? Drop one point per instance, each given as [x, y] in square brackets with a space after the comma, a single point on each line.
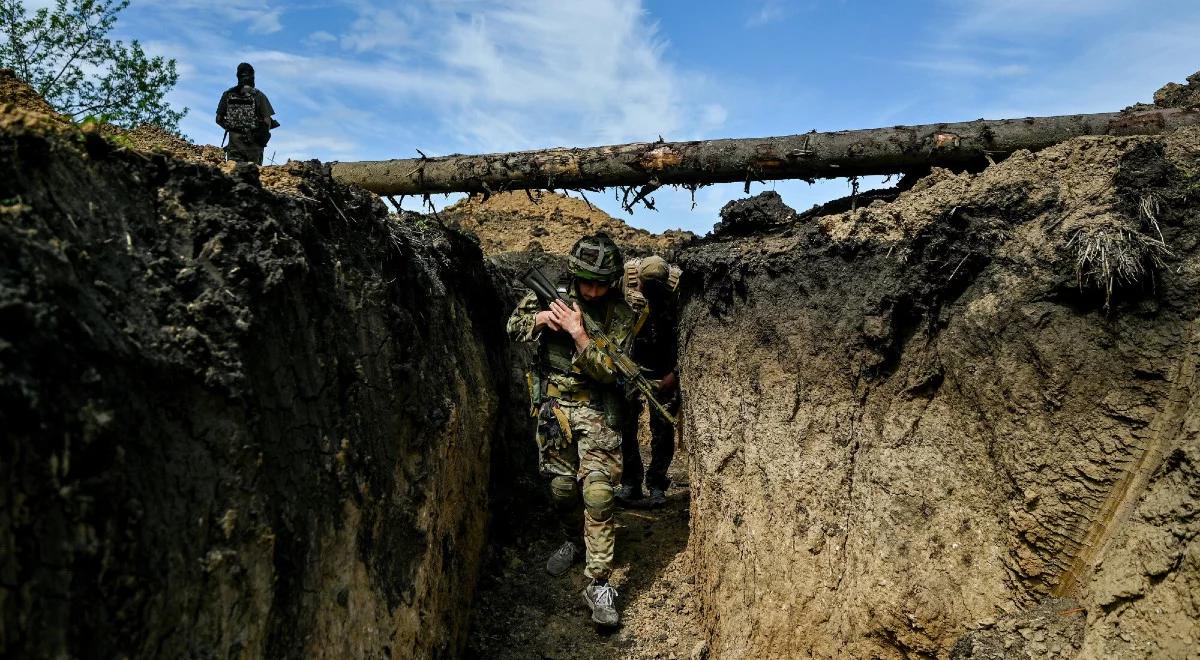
[640, 320]
[631, 285]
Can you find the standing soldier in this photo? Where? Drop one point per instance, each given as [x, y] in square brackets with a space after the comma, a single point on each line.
[650, 284]
[247, 117]
[578, 402]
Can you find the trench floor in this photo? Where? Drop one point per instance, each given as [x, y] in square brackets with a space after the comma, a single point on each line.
[521, 612]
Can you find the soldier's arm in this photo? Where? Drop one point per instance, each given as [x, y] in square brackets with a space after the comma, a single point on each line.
[266, 111]
[221, 110]
[522, 325]
[594, 362]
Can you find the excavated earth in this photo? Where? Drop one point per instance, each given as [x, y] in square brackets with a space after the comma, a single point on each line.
[913, 423]
[548, 222]
[247, 413]
[237, 422]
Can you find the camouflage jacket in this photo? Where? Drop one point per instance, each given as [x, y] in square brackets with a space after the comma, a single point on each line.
[558, 363]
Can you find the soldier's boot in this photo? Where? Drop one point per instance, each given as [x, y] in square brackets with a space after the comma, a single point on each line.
[658, 498]
[561, 559]
[601, 597]
[628, 495]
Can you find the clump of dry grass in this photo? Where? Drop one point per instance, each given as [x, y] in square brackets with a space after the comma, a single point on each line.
[1108, 253]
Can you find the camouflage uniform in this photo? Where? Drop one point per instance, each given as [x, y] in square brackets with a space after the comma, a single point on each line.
[577, 402]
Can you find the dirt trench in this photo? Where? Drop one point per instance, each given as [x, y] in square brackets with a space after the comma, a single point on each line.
[248, 414]
[236, 422]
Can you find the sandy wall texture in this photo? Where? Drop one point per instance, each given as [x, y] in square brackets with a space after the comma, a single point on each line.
[922, 418]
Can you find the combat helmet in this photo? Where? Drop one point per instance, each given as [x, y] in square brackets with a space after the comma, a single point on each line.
[597, 258]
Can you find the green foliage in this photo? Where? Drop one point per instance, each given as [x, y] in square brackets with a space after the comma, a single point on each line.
[65, 54]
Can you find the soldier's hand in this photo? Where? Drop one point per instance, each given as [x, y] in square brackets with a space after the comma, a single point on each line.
[668, 385]
[570, 319]
[546, 319]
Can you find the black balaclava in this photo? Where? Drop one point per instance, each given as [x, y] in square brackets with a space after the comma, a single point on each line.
[245, 74]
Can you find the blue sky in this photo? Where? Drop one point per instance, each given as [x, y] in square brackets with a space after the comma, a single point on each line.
[366, 79]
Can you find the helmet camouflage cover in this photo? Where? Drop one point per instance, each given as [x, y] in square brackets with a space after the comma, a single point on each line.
[596, 257]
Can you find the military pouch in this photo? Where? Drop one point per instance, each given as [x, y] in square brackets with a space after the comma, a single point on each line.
[554, 426]
[534, 382]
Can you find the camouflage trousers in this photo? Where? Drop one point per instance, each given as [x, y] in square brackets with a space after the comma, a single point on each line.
[588, 458]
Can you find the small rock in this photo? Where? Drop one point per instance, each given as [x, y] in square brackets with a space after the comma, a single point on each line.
[699, 651]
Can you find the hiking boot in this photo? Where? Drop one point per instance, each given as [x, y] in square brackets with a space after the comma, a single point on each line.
[658, 497]
[601, 598]
[560, 560]
[628, 495]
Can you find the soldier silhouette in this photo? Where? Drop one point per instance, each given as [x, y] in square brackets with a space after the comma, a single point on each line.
[247, 117]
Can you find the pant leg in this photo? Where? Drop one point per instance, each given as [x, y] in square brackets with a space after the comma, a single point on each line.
[243, 148]
[599, 448]
[631, 453]
[558, 461]
[662, 447]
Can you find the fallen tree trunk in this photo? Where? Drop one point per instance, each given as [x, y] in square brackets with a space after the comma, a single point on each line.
[808, 156]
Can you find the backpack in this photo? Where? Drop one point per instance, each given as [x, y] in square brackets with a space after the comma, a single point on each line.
[241, 111]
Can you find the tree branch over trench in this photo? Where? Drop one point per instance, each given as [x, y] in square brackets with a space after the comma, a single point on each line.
[808, 156]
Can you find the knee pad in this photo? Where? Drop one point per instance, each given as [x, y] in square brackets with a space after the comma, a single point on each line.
[598, 496]
[562, 491]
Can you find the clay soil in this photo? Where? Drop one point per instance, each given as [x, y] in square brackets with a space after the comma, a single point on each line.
[944, 410]
[548, 222]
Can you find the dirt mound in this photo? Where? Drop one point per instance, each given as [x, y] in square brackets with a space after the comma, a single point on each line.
[255, 424]
[1053, 629]
[17, 93]
[153, 139]
[1174, 95]
[550, 222]
[17, 96]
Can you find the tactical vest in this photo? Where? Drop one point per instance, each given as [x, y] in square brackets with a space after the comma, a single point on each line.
[241, 110]
[631, 283]
[559, 348]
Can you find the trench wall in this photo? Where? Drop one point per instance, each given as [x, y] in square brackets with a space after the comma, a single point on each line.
[236, 422]
[910, 420]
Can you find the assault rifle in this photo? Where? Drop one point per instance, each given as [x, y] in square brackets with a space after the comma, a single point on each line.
[629, 370]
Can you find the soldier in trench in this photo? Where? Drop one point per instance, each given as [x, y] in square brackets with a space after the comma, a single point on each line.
[247, 117]
[650, 283]
[577, 401]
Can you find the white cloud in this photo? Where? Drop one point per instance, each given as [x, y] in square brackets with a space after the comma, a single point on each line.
[260, 16]
[441, 75]
[1028, 57]
[1025, 16]
[769, 11]
[968, 66]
